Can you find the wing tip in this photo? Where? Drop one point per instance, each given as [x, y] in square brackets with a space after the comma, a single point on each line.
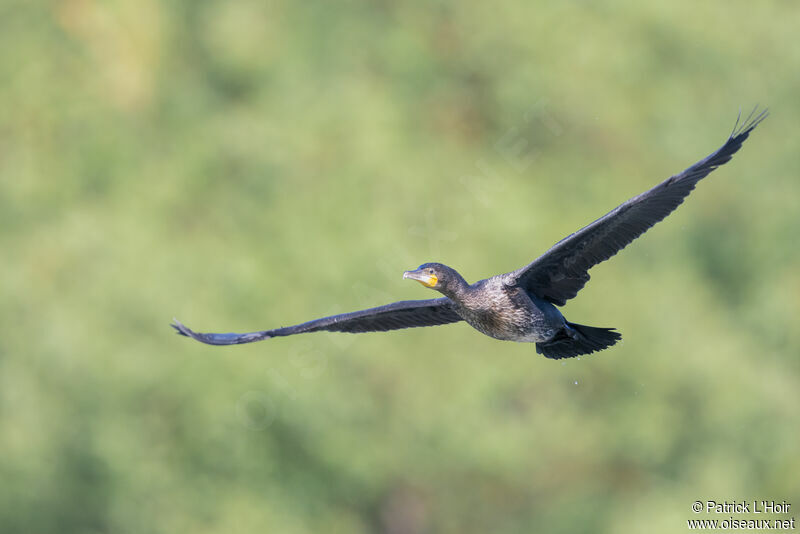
[183, 330]
[219, 339]
[741, 131]
[180, 329]
[752, 120]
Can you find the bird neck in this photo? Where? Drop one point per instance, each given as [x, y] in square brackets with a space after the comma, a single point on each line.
[456, 287]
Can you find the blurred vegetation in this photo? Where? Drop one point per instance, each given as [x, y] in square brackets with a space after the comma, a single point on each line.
[243, 165]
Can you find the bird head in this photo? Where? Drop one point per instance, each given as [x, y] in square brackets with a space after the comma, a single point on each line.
[434, 275]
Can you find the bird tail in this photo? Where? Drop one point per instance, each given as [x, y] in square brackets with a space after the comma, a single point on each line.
[581, 339]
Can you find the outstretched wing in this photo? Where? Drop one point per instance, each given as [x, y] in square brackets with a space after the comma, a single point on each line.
[404, 314]
[562, 271]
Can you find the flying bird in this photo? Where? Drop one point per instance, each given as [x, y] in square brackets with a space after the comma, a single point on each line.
[521, 305]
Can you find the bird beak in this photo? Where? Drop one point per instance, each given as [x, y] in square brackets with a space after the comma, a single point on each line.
[427, 280]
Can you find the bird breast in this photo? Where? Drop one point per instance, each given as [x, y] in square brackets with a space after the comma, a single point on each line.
[507, 313]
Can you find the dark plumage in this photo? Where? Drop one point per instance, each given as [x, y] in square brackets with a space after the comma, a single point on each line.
[521, 305]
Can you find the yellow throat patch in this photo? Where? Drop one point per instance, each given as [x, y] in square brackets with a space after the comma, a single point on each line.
[431, 281]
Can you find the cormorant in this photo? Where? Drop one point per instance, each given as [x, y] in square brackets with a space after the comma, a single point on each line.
[521, 305]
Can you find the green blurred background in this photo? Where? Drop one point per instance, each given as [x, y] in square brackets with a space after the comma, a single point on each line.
[244, 165]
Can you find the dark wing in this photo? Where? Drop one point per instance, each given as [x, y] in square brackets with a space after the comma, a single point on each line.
[561, 272]
[404, 314]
